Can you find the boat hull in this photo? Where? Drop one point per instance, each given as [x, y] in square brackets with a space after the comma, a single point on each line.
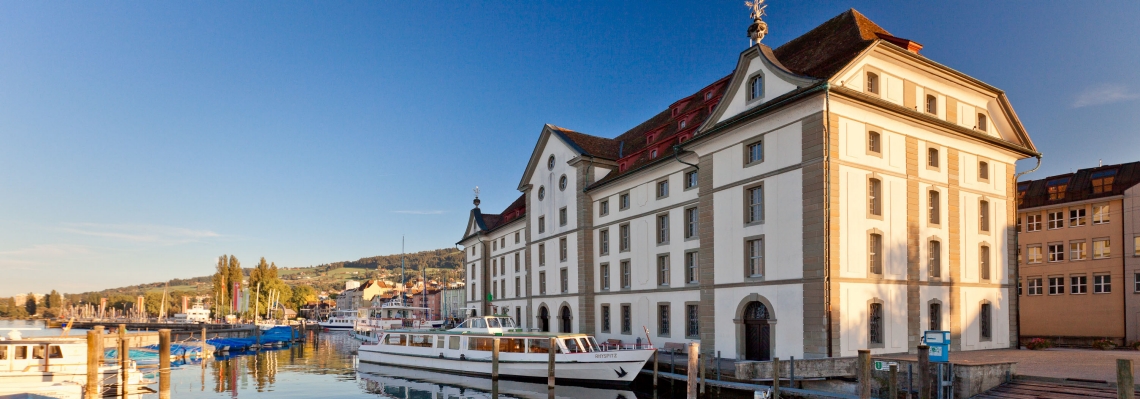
[611, 368]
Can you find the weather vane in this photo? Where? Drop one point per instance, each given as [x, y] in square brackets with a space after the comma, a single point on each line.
[759, 28]
[476, 196]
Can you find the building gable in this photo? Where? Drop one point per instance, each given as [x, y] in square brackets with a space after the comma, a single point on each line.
[758, 66]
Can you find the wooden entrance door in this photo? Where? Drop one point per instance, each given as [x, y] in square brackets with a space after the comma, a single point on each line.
[757, 332]
[565, 319]
[543, 319]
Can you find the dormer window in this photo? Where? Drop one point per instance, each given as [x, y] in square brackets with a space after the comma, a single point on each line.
[653, 154]
[872, 83]
[1102, 181]
[982, 122]
[1057, 188]
[708, 96]
[931, 104]
[756, 86]
[684, 123]
[1022, 189]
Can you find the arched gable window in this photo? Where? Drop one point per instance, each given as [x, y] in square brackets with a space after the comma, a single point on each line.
[875, 142]
[872, 83]
[982, 122]
[756, 87]
[931, 104]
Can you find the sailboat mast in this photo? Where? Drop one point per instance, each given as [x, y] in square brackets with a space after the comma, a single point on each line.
[403, 280]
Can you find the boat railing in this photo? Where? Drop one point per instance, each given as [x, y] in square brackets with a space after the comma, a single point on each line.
[608, 347]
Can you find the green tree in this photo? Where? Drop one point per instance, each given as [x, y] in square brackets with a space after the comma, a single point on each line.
[14, 310]
[264, 283]
[30, 304]
[221, 277]
[302, 295]
[153, 304]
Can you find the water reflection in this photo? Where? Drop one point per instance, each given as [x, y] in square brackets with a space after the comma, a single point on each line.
[404, 383]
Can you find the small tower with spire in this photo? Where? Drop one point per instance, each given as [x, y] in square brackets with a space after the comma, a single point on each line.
[759, 28]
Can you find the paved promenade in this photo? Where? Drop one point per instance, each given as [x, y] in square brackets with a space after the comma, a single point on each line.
[1080, 364]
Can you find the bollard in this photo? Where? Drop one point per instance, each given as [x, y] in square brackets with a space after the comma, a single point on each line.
[864, 376]
[775, 378]
[203, 345]
[550, 365]
[100, 331]
[718, 365]
[893, 381]
[93, 364]
[691, 368]
[703, 361]
[257, 333]
[124, 358]
[1124, 385]
[655, 366]
[909, 380]
[923, 372]
[792, 371]
[495, 359]
[164, 364]
[673, 361]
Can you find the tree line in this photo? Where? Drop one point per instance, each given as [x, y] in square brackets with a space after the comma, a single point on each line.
[50, 305]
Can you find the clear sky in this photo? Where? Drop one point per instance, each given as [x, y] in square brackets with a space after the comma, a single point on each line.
[141, 140]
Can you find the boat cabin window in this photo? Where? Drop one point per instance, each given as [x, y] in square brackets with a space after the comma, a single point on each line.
[493, 323]
[21, 353]
[3, 352]
[594, 344]
[512, 345]
[395, 339]
[53, 352]
[571, 345]
[423, 341]
[439, 341]
[453, 343]
[507, 322]
[479, 344]
[542, 345]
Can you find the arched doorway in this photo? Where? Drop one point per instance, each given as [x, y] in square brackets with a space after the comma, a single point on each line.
[543, 319]
[564, 314]
[757, 332]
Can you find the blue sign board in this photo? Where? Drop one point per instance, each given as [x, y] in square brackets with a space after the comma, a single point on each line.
[939, 343]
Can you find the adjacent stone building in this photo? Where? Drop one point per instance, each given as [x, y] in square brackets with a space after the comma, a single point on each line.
[836, 193]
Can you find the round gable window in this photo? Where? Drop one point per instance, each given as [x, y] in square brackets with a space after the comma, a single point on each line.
[541, 193]
[550, 163]
[562, 183]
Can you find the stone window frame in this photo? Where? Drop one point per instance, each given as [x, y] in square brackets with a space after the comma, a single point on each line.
[604, 241]
[751, 97]
[988, 166]
[874, 81]
[934, 208]
[695, 222]
[746, 145]
[605, 315]
[985, 263]
[937, 157]
[625, 274]
[563, 249]
[982, 122]
[883, 323]
[626, 314]
[929, 261]
[687, 321]
[604, 272]
[881, 254]
[662, 233]
[624, 201]
[985, 219]
[563, 217]
[550, 162]
[542, 224]
[518, 287]
[604, 207]
[867, 148]
[985, 321]
[517, 262]
[661, 188]
[668, 320]
[748, 221]
[517, 237]
[685, 179]
[542, 282]
[541, 254]
[926, 109]
[563, 182]
[541, 193]
[747, 253]
[625, 242]
[664, 274]
[878, 200]
[930, 314]
[564, 280]
[693, 254]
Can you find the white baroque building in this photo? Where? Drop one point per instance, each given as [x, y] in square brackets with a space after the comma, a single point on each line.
[837, 193]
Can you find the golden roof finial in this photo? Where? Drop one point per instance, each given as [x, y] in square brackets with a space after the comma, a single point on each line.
[759, 28]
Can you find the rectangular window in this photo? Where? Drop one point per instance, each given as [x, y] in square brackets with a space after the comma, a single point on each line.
[517, 237]
[517, 262]
[690, 223]
[1079, 284]
[623, 244]
[518, 287]
[984, 262]
[663, 320]
[542, 283]
[755, 152]
[494, 267]
[1056, 220]
[984, 216]
[625, 277]
[690, 179]
[986, 322]
[1102, 284]
[983, 171]
[874, 143]
[874, 197]
[1057, 188]
[1032, 223]
[564, 278]
[1034, 253]
[1136, 283]
[1035, 286]
[1056, 285]
[495, 288]
[875, 323]
[562, 216]
[1077, 250]
[663, 270]
[1100, 214]
[604, 241]
[606, 318]
[541, 224]
[1056, 252]
[1102, 249]
[1102, 181]
[935, 205]
[755, 204]
[503, 242]
[1136, 246]
[1077, 217]
[623, 201]
[626, 322]
[542, 254]
[494, 245]
[563, 251]
[875, 253]
[604, 208]
[692, 274]
[663, 228]
[932, 157]
[605, 272]
[755, 259]
[935, 317]
[935, 265]
[693, 328]
[663, 189]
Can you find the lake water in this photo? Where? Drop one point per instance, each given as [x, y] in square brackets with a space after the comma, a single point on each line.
[325, 366]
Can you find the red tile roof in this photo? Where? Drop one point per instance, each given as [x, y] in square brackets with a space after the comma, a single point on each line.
[514, 211]
[823, 51]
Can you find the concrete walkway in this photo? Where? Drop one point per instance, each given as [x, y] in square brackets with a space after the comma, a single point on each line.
[1072, 364]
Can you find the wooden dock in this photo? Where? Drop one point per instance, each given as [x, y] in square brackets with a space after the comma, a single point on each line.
[1021, 388]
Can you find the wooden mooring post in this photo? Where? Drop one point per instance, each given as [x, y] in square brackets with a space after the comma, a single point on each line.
[656, 363]
[164, 363]
[893, 381]
[775, 378]
[703, 360]
[923, 372]
[93, 376]
[1125, 388]
[691, 369]
[495, 359]
[202, 352]
[864, 376]
[550, 363]
[124, 359]
[100, 348]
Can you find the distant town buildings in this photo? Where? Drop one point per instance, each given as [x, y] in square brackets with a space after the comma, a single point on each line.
[841, 184]
[1079, 255]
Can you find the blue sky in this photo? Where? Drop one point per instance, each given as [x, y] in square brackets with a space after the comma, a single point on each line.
[139, 141]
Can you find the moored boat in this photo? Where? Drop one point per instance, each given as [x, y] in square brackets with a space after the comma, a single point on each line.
[467, 349]
[344, 320]
[48, 364]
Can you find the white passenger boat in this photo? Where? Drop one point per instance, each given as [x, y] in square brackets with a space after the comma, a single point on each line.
[393, 315]
[196, 314]
[467, 350]
[401, 382]
[344, 320]
[50, 364]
